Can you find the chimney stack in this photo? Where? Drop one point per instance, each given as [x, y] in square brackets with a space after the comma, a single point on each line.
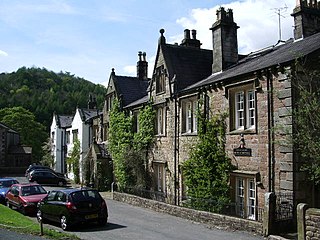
[306, 18]
[224, 39]
[142, 67]
[188, 42]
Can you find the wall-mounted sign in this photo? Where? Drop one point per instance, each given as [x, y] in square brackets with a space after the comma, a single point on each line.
[242, 152]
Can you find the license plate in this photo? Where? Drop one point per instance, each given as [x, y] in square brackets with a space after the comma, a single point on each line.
[91, 216]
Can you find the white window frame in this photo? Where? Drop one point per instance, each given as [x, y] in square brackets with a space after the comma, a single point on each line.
[189, 116]
[246, 198]
[159, 170]
[244, 108]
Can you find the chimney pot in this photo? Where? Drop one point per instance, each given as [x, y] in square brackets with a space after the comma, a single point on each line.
[194, 34]
[186, 34]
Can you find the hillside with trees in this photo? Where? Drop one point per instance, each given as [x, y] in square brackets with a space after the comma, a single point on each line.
[43, 92]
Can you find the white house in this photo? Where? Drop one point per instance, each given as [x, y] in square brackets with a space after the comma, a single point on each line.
[59, 140]
[81, 129]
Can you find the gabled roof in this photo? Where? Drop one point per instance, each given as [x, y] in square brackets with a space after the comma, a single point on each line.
[272, 56]
[87, 114]
[64, 121]
[2, 125]
[189, 64]
[130, 89]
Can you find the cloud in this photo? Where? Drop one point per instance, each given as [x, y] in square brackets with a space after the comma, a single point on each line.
[130, 70]
[3, 53]
[258, 22]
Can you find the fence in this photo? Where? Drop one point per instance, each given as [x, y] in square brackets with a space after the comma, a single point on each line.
[208, 205]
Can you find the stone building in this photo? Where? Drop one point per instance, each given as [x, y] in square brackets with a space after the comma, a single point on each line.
[256, 90]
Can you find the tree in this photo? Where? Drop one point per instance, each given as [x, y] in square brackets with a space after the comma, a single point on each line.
[207, 170]
[32, 132]
[306, 119]
[74, 161]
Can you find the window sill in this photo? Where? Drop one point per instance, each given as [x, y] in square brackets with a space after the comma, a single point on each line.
[243, 131]
[160, 93]
[189, 134]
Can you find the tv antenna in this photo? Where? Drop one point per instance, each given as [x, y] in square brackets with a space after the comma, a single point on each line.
[279, 12]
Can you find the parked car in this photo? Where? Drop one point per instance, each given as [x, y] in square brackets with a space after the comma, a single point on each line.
[46, 170]
[25, 197]
[46, 177]
[73, 206]
[34, 167]
[5, 184]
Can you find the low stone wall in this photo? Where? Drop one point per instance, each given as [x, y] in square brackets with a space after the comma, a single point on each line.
[210, 219]
[308, 220]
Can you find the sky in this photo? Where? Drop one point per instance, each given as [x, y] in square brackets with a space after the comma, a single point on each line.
[90, 37]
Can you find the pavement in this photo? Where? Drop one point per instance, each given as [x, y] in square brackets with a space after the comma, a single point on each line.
[12, 235]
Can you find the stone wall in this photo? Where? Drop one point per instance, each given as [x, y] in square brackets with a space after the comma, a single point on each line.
[210, 219]
[308, 222]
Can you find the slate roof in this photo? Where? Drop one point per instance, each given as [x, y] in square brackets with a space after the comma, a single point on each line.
[189, 64]
[87, 114]
[272, 56]
[64, 121]
[131, 88]
[2, 125]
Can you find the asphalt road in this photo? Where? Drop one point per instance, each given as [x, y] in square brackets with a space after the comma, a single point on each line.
[130, 222]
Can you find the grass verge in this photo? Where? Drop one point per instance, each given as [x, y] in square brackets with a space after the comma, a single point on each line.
[15, 221]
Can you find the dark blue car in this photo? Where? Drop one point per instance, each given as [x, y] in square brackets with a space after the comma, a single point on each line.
[5, 184]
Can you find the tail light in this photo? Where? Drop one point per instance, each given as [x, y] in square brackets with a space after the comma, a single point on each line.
[70, 206]
[103, 204]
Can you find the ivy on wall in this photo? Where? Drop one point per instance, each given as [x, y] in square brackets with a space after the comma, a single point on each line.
[74, 161]
[207, 170]
[129, 150]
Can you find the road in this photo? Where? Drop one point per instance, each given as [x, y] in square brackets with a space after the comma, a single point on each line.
[129, 222]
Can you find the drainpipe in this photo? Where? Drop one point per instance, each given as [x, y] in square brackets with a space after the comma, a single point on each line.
[271, 157]
[176, 201]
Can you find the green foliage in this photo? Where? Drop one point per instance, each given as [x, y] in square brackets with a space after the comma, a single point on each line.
[73, 161]
[129, 150]
[43, 92]
[306, 114]
[207, 170]
[120, 139]
[15, 221]
[47, 158]
[32, 132]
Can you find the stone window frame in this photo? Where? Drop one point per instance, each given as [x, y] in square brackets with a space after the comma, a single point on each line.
[249, 113]
[249, 182]
[160, 79]
[161, 120]
[189, 120]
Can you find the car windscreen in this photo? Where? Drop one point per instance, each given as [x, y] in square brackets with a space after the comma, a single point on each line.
[7, 183]
[85, 195]
[32, 190]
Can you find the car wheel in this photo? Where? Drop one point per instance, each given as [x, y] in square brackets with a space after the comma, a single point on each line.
[64, 223]
[40, 217]
[8, 204]
[102, 221]
[60, 183]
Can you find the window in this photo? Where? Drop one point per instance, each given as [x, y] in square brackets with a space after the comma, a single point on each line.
[246, 197]
[160, 121]
[159, 170]
[52, 137]
[189, 116]
[75, 135]
[135, 121]
[68, 137]
[160, 78]
[242, 108]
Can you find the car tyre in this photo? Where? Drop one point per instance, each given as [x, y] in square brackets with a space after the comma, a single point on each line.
[22, 209]
[102, 222]
[64, 223]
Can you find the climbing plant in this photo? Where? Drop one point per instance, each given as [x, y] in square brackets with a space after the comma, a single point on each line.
[120, 140]
[128, 149]
[73, 161]
[207, 170]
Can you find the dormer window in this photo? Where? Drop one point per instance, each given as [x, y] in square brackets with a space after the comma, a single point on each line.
[160, 77]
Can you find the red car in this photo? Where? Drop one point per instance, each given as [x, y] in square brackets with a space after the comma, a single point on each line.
[25, 197]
